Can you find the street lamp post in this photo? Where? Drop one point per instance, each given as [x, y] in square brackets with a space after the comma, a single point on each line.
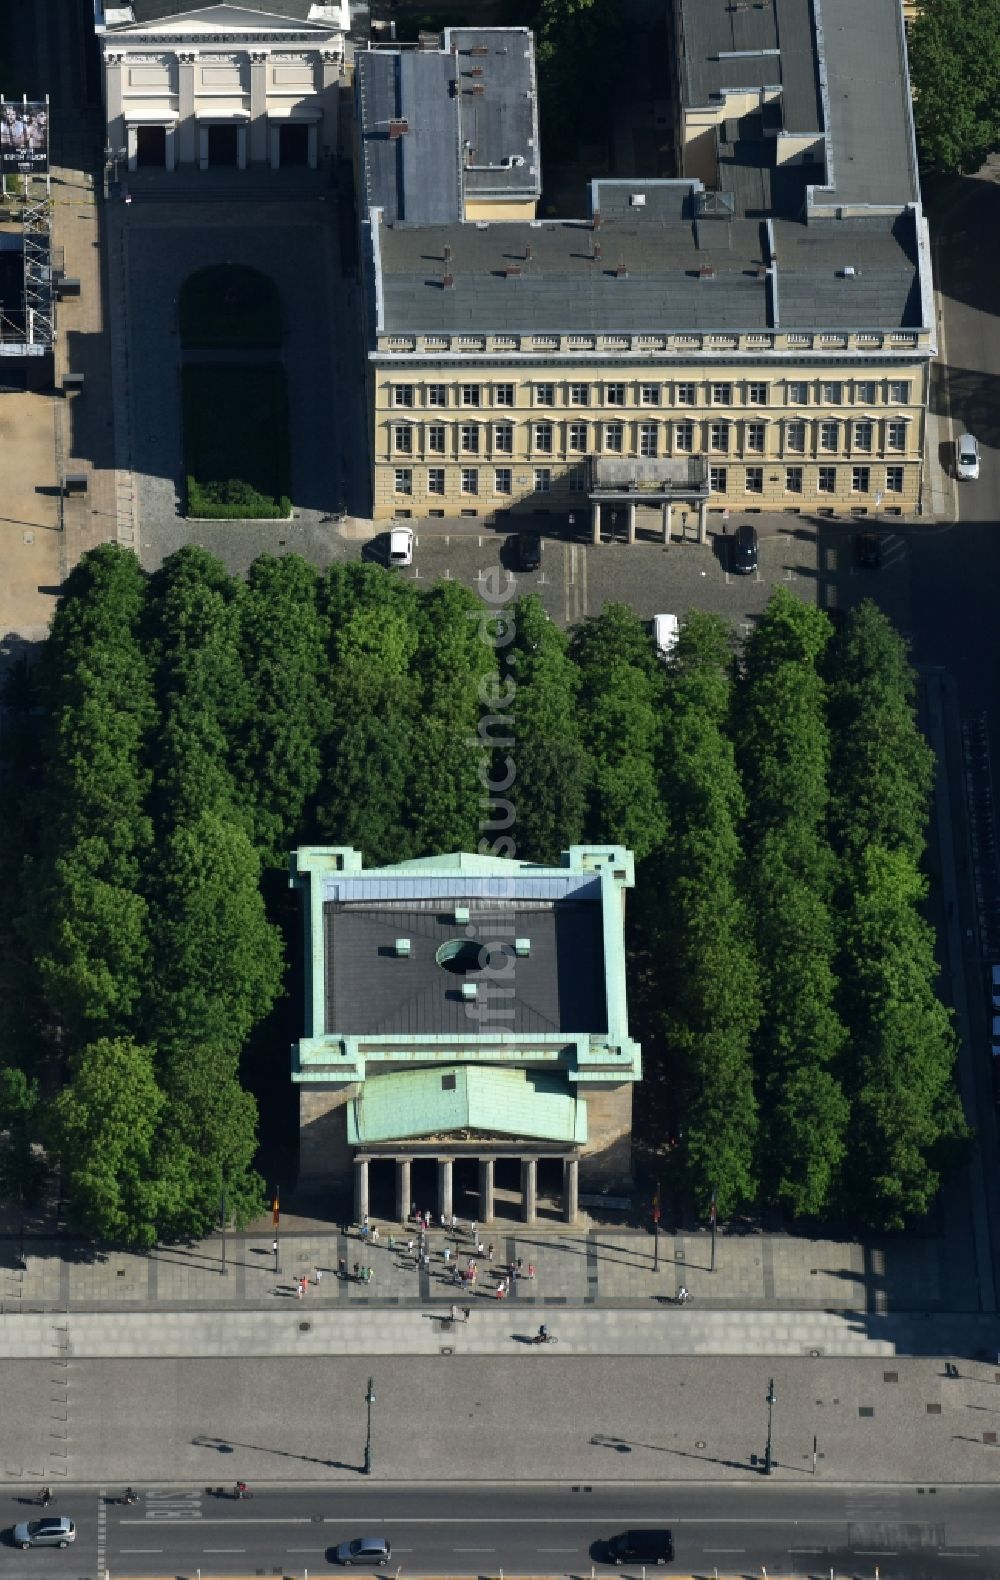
[771, 1402]
[715, 1225]
[369, 1401]
[222, 1215]
[111, 158]
[656, 1229]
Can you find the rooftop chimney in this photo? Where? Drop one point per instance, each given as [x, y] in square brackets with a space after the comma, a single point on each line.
[398, 126]
[448, 281]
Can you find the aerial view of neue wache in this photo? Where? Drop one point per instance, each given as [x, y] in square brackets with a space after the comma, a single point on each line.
[500, 869]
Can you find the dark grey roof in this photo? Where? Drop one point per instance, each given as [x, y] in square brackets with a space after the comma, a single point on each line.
[558, 987]
[499, 124]
[562, 286]
[727, 45]
[470, 113]
[871, 132]
[414, 176]
[155, 10]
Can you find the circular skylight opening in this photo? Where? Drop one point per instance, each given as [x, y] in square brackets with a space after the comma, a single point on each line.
[460, 956]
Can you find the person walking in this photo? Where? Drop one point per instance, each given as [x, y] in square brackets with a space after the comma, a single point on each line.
[319, 1277]
[342, 1267]
[489, 1252]
[375, 1234]
[357, 1272]
[299, 1291]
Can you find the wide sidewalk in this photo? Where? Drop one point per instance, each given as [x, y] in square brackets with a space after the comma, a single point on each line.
[603, 1290]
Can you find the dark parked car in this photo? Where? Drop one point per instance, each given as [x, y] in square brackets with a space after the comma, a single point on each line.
[364, 1550]
[528, 551]
[744, 554]
[869, 551]
[642, 1547]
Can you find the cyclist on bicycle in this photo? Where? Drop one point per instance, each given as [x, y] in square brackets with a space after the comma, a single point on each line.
[241, 1488]
[130, 1496]
[543, 1334]
[46, 1497]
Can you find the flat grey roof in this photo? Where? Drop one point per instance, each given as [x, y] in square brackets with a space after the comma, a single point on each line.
[563, 286]
[753, 46]
[558, 987]
[871, 132]
[471, 119]
[499, 124]
[154, 10]
[414, 177]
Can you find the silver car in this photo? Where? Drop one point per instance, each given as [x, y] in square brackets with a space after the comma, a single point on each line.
[54, 1531]
[966, 458]
[364, 1550]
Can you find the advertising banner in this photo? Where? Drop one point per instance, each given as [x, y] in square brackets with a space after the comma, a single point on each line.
[24, 137]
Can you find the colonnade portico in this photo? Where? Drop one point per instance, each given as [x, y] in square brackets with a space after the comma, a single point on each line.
[647, 481]
[486, 1172]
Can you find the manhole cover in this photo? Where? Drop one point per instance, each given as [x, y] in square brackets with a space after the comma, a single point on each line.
[933, 1409]
[890, 1377]
[866, 1409]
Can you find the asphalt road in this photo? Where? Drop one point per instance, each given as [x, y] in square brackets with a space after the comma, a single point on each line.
[914, 1532]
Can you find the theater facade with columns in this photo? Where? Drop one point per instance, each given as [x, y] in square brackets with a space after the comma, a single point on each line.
[245, 85]
[466, 1044]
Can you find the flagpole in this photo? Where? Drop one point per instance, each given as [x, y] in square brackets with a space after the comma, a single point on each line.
[715, 1224]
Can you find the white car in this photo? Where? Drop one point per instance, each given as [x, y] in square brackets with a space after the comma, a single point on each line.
[666, 630]
[966, 458]
[401, 546]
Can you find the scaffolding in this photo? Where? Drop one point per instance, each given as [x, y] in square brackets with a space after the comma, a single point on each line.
[39, 285]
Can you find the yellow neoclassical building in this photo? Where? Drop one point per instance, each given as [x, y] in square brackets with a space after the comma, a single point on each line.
[755, 333]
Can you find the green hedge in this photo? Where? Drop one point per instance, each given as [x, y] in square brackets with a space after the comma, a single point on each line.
[236, 448]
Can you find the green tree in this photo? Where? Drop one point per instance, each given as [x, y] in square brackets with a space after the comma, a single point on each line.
[536, 704]
[621, 698]
[882, 769]
[697, 927]
[218, 960]
[451, 798]
[22, 1169]
[376, 705]
[784, 753]
[86, 916]
[283, 645]
[200, 687]
[103, 1132]
[907, 1127]
[954, 54]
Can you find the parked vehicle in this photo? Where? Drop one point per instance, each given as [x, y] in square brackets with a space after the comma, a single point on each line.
[528, 551]
[869, 551]
[401, 546]
[966, 458]
[744, 551]
[666, 630]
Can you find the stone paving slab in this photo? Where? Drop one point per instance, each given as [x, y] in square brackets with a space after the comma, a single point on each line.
[491, 1329]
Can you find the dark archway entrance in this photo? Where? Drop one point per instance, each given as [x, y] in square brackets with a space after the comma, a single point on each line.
[423, 1186]
[222, 145]
[293, 144]
[151, 147]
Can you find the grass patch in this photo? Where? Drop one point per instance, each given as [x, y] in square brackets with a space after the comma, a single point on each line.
[236, 451]
[228, 306]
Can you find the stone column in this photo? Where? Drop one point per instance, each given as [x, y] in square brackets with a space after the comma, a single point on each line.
[114, 100]
[703, 521]
[486, 1190]
[187, 127]
[403, 1197]
[445, 1194]
[241, 147]
[667, 509]
[595, 520]
[360, 1189]
[258, 114]
[330, 61]
[631, 520]
[132, 147]
[529, 1189]
[571, 1182]
[312, 146]
[170, 159]
[274, 146]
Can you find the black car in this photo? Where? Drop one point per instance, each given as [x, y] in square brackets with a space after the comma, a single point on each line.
[869, 551]
[642, 1547]
[528, 551]
[744, 552]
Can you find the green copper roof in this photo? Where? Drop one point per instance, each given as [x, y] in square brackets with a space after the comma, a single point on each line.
[411, 1103]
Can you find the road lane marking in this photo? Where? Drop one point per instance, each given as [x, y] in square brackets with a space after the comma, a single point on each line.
[140, 1549]
[473, 1549]
[723, 1549]
[224, 1549]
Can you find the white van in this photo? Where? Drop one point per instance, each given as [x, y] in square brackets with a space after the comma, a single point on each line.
[401, 546]
[666, 630]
